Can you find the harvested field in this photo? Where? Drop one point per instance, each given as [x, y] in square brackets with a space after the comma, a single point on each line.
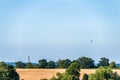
[39, 74]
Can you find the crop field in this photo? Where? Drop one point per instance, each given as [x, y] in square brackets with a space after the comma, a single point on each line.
[42, 74]
[37, 74]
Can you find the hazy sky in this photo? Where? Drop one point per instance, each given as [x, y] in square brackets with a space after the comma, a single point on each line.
[59, 29]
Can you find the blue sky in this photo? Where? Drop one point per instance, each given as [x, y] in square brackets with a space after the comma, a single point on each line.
[59, 29]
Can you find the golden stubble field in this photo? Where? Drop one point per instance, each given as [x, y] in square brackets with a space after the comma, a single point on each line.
[39, 74]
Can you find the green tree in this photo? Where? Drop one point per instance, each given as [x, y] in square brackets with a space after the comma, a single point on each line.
[20, 64]
[86, 62]
[7, 72]
[112, 65]
[63, 63]
[71, 73]
[62, 76]
[36, 66]
[29, 65]
[116, 76]
[104, 73]
[85, 77]
[51, 64]
[74, 70]
[43, 63]
[103, 62]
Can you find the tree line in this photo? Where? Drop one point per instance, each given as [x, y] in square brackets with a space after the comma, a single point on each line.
[84, 62]
[103, 72]
[73, 73]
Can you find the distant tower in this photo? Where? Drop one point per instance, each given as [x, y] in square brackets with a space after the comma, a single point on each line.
[28, 58]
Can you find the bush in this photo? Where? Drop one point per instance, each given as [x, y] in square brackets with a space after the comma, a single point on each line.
[104, 73]
[85, 77]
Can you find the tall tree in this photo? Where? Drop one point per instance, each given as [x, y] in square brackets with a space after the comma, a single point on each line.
[74, 70]
[112, 65]
[7, 72]
[43, 63]
[71, 73]
[36, 66]
[29, 65]
[103, 62]
[51, 64]
[63, 63]
[20, 64]
[86, 62]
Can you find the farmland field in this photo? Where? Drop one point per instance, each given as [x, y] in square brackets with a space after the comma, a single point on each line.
[39, 74]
